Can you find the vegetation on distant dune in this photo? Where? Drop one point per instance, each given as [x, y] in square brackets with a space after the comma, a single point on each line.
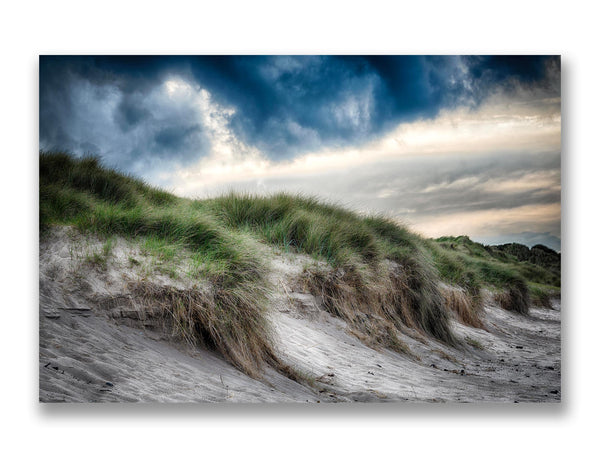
[524, 276]
[380, 277]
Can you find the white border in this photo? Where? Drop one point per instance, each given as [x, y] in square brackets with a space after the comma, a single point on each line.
[308, 27]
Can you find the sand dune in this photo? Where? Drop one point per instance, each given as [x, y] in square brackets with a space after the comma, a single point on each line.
[95, 348]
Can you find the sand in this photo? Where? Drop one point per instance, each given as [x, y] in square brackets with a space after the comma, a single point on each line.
[91, 353]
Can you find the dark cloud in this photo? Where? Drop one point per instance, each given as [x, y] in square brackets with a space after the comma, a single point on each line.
[174, 138]
[284, 105]
[130, 112]
[501, 67]
[113, 107]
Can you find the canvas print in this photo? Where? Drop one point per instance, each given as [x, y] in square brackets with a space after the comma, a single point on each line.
[300, 229]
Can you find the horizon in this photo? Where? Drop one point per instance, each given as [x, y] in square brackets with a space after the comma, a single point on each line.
[447, 145]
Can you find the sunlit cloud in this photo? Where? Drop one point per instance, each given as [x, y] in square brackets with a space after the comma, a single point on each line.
[489, 129]
[537, 218]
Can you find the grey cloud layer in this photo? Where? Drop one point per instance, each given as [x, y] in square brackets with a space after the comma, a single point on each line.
[412, 189]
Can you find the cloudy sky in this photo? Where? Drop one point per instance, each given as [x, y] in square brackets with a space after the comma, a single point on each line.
[448, 145]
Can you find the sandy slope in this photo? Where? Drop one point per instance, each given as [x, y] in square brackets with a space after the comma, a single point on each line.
[501, 372]
[89, 352]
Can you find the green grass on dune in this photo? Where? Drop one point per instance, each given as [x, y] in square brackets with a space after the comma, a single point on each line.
[302, 223]
[497, 264]
[82, 193]
[370, 254]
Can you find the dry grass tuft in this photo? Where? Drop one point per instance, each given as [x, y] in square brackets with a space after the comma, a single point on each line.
[466, 308]
[229, 321]
[541, 300]
[346, 295]
[515, 298]
[542, 296]
[379, 305]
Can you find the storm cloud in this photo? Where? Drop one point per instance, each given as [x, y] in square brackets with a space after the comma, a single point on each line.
[282, 105]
